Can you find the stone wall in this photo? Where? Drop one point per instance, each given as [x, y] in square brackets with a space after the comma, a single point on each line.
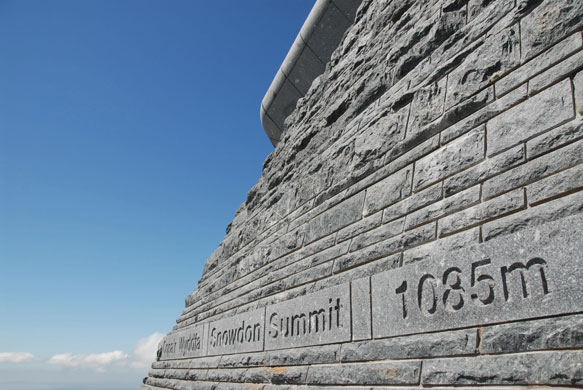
[418, 225]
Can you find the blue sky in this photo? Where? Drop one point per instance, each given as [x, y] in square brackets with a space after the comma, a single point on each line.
[129, 135]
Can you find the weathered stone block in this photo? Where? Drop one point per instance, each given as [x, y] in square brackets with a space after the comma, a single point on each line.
[337, 217]
[243, 360]
[444, 207]
[451, 158]
[387, 373]
[536, 169]
[360, 271]
[558, 72]
[226, 374]
[480, 9]
[578, 87]
[548, 23]
[381, 233]
[461, 342]
[366, 224]
[321, 354]
[488, 168]
[562, 182]
[550, 57]
[416, 201]
[484, 114]
[428, 105]
[482, 212]
[549, 368]
[496, 56]
[376, 138]
[536, 115]
[283, 375]
[388, 191]
[443, 246]
[550, 211]
[555, 138]
[543, 334]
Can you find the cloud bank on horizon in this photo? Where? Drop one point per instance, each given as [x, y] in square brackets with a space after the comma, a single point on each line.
[143, 355]
[16, 357]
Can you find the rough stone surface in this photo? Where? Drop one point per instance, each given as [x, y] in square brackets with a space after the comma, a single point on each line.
[462, 342]
[449, 159]
[578, 86]
[388, 191]
[550, 57]
[562, 182]
[552, 333]
[537, 169]
[337, 217]
[555, 138]
[416, 201]
[481, 116]
[441, 147]
[539, 113]
[389, 373]
[489, 168]
[444, 207]
[499, 53]
[548, 368]
[548, 23]
[482, 212]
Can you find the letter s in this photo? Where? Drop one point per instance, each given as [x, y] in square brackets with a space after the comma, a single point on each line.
[273, 319]
[213, 338]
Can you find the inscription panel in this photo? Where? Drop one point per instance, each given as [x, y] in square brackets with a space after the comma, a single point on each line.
[532, 273]
[319, 318]
[240, 333]
[185, 343]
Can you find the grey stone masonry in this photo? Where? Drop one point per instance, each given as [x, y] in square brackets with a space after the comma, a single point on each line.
[419, 223]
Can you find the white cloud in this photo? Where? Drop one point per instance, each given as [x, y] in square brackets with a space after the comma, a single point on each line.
[96, 361]
[15, 357]
[142, 357]
[145, 351]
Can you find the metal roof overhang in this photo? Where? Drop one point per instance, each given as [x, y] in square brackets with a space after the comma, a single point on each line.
[306, 60]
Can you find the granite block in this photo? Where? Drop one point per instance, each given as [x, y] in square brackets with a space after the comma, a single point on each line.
[527, 275]
[361, 309]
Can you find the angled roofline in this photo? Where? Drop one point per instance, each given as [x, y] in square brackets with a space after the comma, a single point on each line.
[306, 60]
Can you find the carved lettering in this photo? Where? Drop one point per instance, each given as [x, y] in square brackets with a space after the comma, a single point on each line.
[240, 335]
[525, 281]
[453, 289]
[427, 302]
[315, 319]
[480, 282]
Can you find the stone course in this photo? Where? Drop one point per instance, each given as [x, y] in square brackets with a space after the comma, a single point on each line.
[419, 222]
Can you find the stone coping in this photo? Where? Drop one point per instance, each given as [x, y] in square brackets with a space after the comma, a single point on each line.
[306, 60]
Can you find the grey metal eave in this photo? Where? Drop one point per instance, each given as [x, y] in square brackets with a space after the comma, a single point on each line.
[306, 60]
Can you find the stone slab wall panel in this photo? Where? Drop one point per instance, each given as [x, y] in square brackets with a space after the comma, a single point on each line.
[419, 223]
